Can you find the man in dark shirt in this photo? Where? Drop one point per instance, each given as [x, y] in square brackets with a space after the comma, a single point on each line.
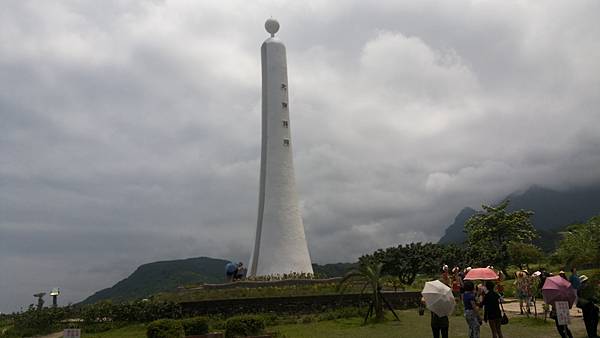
[587, 300]
[439, 325]
[543, 275]
[491, 310]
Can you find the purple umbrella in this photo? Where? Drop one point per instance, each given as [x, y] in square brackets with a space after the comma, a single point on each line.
[557, 288]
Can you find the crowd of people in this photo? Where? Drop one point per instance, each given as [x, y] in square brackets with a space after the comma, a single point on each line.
[482, 302]
[488, 298]
[474, 298]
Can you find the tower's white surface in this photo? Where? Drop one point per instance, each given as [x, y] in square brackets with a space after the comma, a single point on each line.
[280, 245]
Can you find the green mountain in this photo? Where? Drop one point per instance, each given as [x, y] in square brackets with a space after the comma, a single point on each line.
[333, 270]
[151, 278]
[553, 211]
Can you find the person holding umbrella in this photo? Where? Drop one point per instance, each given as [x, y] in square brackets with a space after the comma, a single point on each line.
[558, 289]
[439, 300]
[563, 330]
[439, 325]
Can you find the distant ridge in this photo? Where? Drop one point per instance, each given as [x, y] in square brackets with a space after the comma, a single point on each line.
[454, 232]
[152, 278]
[553, 211]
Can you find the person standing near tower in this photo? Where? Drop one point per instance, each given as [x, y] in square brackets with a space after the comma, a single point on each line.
[280, 245]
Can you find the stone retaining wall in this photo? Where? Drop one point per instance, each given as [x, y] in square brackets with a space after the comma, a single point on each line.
[295, 305]
[259, 284]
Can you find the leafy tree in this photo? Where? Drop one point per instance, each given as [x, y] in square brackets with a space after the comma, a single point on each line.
[581, 244]
[407, 261]
[370, 275]
[403, 261]
[455, 255]
[432, 257]
[490, 233]
[34, 321]
[522, 254]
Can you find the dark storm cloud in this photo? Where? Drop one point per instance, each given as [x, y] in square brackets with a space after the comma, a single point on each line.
[130, 131]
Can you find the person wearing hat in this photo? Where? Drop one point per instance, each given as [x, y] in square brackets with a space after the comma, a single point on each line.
[456, 282]
[543, 275]
[523, 287]
[445, 275]
[587, 301]
[563, 275]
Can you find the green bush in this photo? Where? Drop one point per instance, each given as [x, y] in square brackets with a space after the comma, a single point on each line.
[270, 319]
[195, 326]
[136, 311]
[38, 322]
[165, 328]
[244, 326]
[308, 319]
[97, 327]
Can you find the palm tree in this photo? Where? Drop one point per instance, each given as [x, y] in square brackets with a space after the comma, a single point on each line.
[370, 275]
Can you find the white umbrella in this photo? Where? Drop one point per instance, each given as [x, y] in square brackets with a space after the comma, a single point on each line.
[438, 298]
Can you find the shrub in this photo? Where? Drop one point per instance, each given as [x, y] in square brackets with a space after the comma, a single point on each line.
[97, 327]
[307, 319]
[35, 322]
[195, 326]
[165, 328]
[244, 326]
[270, 319]
[135, 311]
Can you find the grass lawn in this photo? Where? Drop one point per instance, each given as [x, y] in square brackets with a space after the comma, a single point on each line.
[411, 326]
[131, 331]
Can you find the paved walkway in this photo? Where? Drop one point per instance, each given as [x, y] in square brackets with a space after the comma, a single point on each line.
[512, 305]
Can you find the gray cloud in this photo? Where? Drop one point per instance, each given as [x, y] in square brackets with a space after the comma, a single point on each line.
[130, 131]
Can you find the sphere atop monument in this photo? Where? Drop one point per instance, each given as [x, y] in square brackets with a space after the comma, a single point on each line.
[272, 26]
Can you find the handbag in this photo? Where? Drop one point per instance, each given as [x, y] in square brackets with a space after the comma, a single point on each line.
[504, 319]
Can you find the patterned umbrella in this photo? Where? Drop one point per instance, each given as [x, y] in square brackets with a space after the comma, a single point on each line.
[481, 274]
[557, 288]
[438, 298]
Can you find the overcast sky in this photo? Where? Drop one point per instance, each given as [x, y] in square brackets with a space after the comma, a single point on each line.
[130, 130]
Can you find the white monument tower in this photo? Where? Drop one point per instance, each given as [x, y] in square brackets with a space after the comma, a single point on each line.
[280, 245]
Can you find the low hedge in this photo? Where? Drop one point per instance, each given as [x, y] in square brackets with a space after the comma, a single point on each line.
[244, 326]
[195, 326]
[165, 328]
